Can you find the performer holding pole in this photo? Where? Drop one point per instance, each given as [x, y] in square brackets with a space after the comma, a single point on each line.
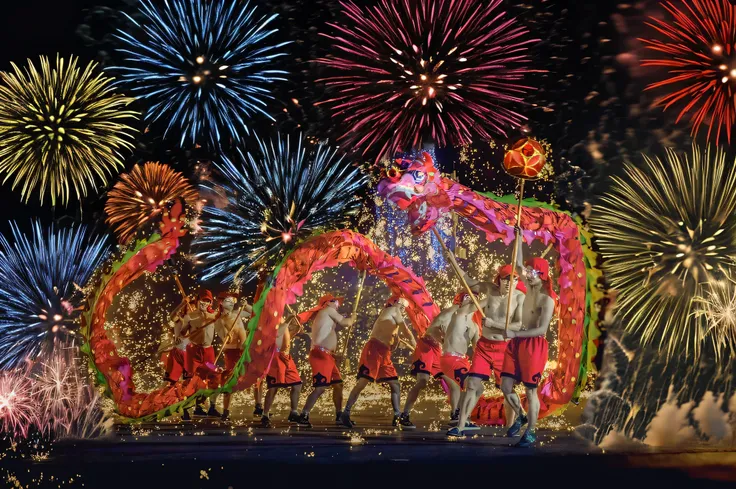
[322, 357]
[229, 327]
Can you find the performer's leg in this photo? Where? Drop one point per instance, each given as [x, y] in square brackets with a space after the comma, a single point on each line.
[337, 398]
[354, 394]
[295, 391]
[395, 396]
[226, 401]
[258, 398]
[508, 407]
[507, 387]
[270, 396]
[455, 392]
[413, 395]
[533, 400]
[474, 390]
[312, 400]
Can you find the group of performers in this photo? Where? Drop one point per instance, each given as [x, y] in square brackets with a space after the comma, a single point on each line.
[511, 354]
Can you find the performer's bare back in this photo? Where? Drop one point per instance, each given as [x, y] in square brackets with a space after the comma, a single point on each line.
[387, 325]
[438, 328]
[323, 328]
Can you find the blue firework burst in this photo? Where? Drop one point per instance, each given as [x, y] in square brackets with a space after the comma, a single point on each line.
[271, 200]
[202, 68]
[40, 275]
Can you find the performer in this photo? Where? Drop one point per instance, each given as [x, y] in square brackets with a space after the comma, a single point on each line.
[526, 354]
[375, 360]
[173, 355]
[488, 355]
[230, 329]
[199, 327]
[462, 332]
[322, 356]
[283, 373]
[426, 362]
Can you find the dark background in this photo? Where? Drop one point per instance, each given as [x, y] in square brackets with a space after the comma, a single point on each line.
[578, 48]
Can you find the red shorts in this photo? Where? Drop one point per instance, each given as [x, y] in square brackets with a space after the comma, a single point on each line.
[283, 372]
[426, 358]
[488, 359]
[176, 362]
[198, 357]
[375, 363]
[232, 357]
[324, 368]
[456, 367]
[525, 360]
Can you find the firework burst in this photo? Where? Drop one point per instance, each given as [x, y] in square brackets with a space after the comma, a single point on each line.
[142, 194]
[698, 47]
[667, 232]
[18, 408]
[718, 305]
[203, 68]
[409, 71]
[39, 276]
[60, 128]
[71, 406]
[274, 198]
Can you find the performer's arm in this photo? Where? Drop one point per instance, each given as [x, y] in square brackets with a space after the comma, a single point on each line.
[474, 337]
[403, 327]
[185, 324]
[339, 319]
[545, 317]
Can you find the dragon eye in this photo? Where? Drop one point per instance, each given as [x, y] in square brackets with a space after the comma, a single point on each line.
[419, 176]
[393, 173]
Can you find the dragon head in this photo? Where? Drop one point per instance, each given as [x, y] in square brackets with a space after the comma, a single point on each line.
[415, 185]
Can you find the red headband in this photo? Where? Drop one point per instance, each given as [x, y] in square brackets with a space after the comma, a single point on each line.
[542, 266]
[505, 272]
[307, 316]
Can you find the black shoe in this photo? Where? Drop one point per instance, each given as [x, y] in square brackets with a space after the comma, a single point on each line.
[213, 413]
[454, 418]
[337, 418]
[199, 412]
[346, 421]
[406, 423]
[225, 415]
[293, 418]
[303, 421]
[266, 422]
[515, 428]
[395, 422]
[258, 411]
[185, 416]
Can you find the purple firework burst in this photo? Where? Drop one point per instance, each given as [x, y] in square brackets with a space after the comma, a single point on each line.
[407, 71]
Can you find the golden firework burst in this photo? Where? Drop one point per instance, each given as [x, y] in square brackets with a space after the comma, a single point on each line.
[667, 232]
[62, 127]
[142, 194]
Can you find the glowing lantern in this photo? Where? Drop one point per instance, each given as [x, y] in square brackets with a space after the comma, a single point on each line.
[525, 159]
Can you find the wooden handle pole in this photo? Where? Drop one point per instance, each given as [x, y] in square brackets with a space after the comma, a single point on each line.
[232, 326]
[514, 255]
[361, 282]
[458, 272]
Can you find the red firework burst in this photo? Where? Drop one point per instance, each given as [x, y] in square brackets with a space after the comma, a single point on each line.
[699, 48]
[405, 71]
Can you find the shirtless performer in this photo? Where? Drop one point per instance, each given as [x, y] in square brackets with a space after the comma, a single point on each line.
[230, 328]
[461, 333]
[375, 360]
[176, 357]
[199, 327]
[488, 355]
[426, 363]
[323, 357]
[526, 355]
[283, 373]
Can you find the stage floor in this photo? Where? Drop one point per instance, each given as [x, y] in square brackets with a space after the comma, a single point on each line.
[210, 454]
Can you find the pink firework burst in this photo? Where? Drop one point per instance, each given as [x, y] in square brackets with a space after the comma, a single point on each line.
[18, 408]
[407, 71]
[698, 46]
